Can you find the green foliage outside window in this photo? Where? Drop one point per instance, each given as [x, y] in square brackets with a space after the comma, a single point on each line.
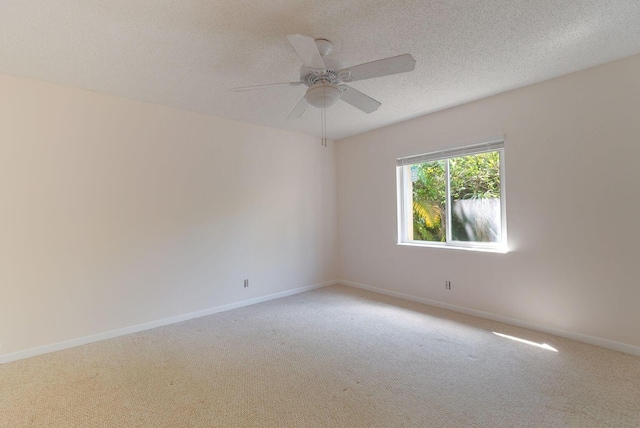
[429, 196]
[471, 177]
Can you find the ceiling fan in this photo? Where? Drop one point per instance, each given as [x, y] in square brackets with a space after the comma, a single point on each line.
[325, 78]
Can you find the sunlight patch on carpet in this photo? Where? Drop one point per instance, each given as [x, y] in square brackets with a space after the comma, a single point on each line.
[528, 342]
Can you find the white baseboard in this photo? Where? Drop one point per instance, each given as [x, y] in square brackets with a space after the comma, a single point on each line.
[605, 343]
[32, 352]
[27, 353]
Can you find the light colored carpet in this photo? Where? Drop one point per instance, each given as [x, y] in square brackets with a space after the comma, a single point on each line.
[333, 357]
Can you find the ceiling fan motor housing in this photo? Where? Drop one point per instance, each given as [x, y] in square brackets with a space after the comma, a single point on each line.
[311, 76]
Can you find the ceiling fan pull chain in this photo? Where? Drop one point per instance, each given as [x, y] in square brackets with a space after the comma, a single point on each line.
[323, 117]
[324, 125]
[322, 110]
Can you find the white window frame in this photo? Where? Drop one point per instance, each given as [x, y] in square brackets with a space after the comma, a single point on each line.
[404, 194]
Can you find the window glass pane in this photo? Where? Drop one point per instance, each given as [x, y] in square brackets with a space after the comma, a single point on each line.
[475, 197]
[428, 201]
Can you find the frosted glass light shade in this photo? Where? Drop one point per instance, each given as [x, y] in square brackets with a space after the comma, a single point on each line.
[322, 95]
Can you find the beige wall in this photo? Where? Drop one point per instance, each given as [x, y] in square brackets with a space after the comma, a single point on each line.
[116, 212]
[572, 182]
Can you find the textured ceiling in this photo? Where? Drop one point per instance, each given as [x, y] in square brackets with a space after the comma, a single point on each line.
[189, 53]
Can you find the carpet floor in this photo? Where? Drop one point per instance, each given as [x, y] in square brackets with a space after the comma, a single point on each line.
[332, 357]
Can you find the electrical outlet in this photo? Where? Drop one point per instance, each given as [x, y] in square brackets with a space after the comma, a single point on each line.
[447, 285]
[246, 283]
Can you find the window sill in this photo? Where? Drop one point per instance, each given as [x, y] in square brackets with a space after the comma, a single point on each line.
[500, 249]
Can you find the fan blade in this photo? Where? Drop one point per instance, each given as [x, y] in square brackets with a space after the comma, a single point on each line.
[383, 67]
[298, 109]
[268, 85]
[359, 100]
[308, 52]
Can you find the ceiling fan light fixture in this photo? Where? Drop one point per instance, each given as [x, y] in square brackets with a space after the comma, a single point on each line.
[323, 94]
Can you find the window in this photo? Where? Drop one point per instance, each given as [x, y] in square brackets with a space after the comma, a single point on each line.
[453, 198]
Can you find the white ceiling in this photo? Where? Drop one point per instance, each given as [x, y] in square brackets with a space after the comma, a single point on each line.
[189, 53]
